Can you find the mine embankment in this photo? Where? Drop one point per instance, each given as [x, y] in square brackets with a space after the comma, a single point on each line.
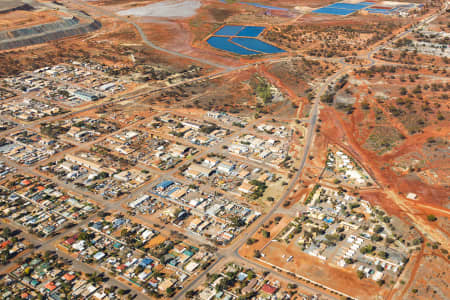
[43, 33]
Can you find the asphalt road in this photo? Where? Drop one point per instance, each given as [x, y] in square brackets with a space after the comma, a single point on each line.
[144, 38]
[230, 253]
[233, 250]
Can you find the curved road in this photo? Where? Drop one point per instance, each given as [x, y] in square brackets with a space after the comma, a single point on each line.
[232, 252]
[144, 38]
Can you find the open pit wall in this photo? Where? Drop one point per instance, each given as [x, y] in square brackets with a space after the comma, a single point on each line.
[10, 39]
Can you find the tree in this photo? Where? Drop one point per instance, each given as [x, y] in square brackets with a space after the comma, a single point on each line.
[263, 92]
[121, 292]
[250, 274]
[378, 229]
[403, 91]
[376, 238]
[191, 294]
[349, 260]
[431, 218]
[265, 233]
[365, 105]
[360, 274]
[251, 241]
[95, 278]
[292, 286]
[102, 175]
[47, 255]
[6, 232]
[84, 236]
[4, 257]
[367, 249]
[237, 221]
[66, 289]
[418, 241]
[170, 291]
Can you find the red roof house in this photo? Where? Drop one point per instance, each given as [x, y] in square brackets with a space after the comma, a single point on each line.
[268, 289]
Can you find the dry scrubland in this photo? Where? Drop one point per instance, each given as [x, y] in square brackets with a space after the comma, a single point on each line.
[397, 117]
[391, 118]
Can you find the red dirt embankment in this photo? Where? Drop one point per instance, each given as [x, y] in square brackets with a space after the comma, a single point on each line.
[430, 198]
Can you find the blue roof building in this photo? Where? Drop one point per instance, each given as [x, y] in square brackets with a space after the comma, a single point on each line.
[145, 262]
[164, 185]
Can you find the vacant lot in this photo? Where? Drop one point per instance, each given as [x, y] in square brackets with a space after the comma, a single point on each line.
[431, 281]
[313, 268]
[382, 139]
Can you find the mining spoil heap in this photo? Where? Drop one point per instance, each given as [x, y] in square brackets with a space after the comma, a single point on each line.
[77, 23]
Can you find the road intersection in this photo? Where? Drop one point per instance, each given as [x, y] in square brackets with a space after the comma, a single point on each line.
[231, 252]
